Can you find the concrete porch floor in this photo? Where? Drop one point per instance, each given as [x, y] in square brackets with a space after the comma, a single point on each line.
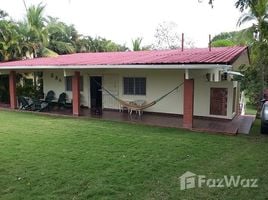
[240, 124]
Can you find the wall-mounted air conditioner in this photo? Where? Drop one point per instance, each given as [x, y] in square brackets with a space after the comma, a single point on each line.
[214, 75]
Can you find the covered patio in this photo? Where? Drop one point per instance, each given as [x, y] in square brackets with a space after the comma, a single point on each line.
[78, 110]
[239, 125]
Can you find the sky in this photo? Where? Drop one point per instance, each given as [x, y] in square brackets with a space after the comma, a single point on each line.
[124, 20]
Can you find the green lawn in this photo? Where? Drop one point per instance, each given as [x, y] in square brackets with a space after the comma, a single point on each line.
[251, 109]
[45, 157]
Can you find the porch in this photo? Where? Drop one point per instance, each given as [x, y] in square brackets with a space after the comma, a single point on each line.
[178, 110]
[193, 96]
[240, 124]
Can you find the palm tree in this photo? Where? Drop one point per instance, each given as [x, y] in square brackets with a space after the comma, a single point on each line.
[37, 31]
[258, 13]
[60, 36]
[10, 41]
[136, 44]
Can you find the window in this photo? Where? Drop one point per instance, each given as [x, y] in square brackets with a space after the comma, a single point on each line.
[134, 86]
[68, 83]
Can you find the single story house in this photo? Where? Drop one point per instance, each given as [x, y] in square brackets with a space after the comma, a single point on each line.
[207, 76]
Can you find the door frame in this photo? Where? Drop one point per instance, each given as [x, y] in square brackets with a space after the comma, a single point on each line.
[90, 90]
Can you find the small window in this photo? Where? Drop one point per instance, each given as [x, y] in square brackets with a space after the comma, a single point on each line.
[68, 83]
[134, 86]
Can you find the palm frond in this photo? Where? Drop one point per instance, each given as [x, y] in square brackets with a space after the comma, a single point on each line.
[48, 53]
[246, 17]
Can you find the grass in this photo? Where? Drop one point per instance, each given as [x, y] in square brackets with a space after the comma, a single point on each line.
[64, 158]
[251, 109]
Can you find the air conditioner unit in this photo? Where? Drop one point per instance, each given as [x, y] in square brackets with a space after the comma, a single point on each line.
[214, 76]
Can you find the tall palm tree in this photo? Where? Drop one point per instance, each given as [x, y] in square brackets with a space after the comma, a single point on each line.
[37, 31]
[258, 13]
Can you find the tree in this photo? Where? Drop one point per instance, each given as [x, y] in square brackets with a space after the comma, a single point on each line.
[100, 44]
[243, 37]
[222, 43]
[136, 44]
[13, 39]
[37, 31]
[166, 36]
[40, 36]
[83, 44]
[10, 47]
[257, 13]
[244, 4]
[60, 36]
[3, 14]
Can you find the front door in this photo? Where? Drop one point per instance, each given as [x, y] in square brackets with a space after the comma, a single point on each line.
[96, 94]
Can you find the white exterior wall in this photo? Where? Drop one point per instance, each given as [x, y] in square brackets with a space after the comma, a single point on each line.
[202, 94]
[58, 85]
[158, 83]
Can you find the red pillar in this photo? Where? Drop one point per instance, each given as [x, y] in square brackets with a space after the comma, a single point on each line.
[12, 90]
[76, 93]
[188, 105]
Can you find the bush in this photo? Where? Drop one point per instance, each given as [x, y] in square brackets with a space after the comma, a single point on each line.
[29, 91]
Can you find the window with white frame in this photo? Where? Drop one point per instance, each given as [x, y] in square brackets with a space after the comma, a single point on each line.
[134, 85]
[68, 83]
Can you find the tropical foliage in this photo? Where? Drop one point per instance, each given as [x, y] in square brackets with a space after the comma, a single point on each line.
[40, 36]
[255, 15]
[136, 44]
[10, 41]
[243, 37]
[258, 14]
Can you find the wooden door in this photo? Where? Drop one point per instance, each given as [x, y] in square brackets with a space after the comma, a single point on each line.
[218, 101]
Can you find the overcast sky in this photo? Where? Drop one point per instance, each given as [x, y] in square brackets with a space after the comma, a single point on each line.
[123, 20]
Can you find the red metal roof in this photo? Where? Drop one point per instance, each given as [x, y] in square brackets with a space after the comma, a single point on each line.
[220, 55]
